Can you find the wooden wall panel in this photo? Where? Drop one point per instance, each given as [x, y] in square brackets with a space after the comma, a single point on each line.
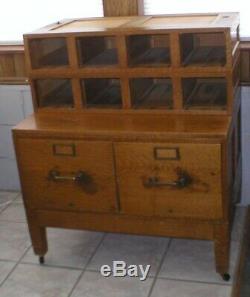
[12, 65]
[122, 7]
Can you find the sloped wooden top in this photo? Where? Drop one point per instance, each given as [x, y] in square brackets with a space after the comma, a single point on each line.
[160, 22]
[124, 126]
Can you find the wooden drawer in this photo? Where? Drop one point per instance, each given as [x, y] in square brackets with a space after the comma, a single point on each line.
[67, 175]
[176, 180]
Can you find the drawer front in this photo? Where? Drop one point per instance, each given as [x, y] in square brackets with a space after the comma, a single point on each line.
[67, 175]
[173, 180]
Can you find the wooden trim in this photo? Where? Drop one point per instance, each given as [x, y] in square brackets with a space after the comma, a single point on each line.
[108, 222]
[7, 49]
[245, 45]
[123, 7]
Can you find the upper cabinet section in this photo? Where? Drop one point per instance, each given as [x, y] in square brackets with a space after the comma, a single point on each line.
[146, 41]
[168, 63]
[211, 21]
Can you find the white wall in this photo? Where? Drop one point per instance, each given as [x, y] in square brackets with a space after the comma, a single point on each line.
[15, 105]
[245, 130]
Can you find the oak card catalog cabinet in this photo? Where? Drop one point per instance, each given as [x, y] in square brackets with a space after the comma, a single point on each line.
[136, 128]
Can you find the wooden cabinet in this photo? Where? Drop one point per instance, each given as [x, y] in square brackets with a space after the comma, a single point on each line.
[135, 129]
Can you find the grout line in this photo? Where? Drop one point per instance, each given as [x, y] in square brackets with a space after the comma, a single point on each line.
[51, 266]
[7, 125]
[159, 268]
[7, 158]
[195, 281]
[85, 267]
[8, 261]
[11, 221]
[10, 202]
[15, 266]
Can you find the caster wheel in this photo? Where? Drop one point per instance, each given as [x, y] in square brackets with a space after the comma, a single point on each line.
[226, 277]
[41, 260]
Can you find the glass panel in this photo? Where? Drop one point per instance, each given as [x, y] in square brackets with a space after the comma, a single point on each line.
[97, 51]
[235, 35]
[148, 50]
[48, 52]
[151, 93]
[203, 49]
[236, 74]
[54, 93]
[204, 93]
[102, 92]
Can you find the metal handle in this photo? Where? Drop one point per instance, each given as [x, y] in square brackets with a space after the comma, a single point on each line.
[183, 181]
[80, 177]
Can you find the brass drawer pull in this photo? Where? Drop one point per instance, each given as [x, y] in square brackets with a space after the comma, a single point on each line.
[80, 177]
[183, 181]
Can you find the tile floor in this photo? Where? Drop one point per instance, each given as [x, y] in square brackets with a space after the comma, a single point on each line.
[179, 267]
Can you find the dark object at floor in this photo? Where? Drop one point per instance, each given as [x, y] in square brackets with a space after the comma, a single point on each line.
[242, 281]
[245, 284]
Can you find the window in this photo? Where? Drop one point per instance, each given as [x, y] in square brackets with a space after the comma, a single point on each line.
[197, 6]
[19, 17]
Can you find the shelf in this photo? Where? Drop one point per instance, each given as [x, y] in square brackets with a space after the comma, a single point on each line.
[102, 93]
[173, 64]
[54, 93]
[146, 50]
[203, 49]
[204, 93]
[204, 56]
[97, 51]
[151, 93]
[48, 52]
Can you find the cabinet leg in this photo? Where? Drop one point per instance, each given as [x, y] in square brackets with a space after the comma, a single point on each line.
[41, 260]
[222, 249]
[39, 241]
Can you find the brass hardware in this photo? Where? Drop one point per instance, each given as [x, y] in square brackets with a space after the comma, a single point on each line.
[183, 181]
[166, 153]
[61, 149]
[80, 177]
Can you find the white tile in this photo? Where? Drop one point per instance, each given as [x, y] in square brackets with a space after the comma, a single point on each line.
[193, 260]
[245, 200]
[132, 249]
[5, 269]
[28, 104]
[38, 281]
[6, 143]
[170, 288]
[93, 284]
[238, 223]
[11, 106]
[6, 198]
[14, 213]
[19, 198]
[245, 104]
[68, 248]
[9, 178]
[14, 240]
